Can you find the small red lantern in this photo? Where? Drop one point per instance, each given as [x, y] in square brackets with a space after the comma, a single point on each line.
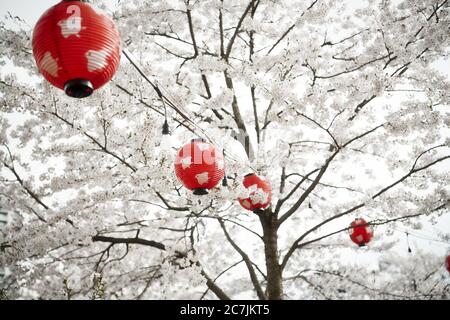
[199, 166]
[260, 193]
[447, 263]
[360, 232]
[76, 47]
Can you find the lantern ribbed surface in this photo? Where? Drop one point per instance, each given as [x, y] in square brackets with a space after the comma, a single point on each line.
[260, 193]
[199, 166]
[360, 232]
[76, 46]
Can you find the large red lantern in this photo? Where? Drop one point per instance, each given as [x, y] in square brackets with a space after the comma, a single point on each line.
[76, 47]
[447, 262]
[360, 232]
[260, 193]
[199, 166]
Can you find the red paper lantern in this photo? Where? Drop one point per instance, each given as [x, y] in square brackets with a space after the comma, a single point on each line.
[199, 166]
[360, 232]
[447, 263]
[260, 193]
[76, 47]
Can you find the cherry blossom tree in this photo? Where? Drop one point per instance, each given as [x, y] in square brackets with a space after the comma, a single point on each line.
[342, 106]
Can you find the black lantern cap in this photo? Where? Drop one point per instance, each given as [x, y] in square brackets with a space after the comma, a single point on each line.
[198, 140]
[78, 88]
[200, 191]
[249, 174]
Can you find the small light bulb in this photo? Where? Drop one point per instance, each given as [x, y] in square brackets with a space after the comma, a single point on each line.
[224, 192]
[166, 142]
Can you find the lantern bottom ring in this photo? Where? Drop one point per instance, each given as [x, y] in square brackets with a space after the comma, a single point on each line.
[78, 88]
[258, 211]
[200, 191]
[361, 244]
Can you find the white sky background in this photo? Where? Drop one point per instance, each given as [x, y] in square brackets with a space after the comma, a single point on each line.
[27, 10]
[30, 11]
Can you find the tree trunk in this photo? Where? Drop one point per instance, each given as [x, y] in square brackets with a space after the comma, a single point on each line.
[274, 290]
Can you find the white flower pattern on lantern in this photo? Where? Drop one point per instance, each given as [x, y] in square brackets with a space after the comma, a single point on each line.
[359, 238]
[259, 196]
[203, 146]
[202, 178]
[96, 59]
[186, 162]
[71, 26]
[49, 64]
[252, 188]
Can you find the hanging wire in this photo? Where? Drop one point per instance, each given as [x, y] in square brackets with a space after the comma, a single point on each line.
[179, 110]
[224, 180]
[416, 235]
[165, 128]
[155, 87]
[167, 97]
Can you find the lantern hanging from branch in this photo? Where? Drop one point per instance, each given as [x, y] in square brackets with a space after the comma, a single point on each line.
[76, 47]
[199, 165]
[260, 193]
[360, 232]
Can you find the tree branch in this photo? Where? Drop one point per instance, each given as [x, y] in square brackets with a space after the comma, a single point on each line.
[376, 222]
[168, 205]
[95, 141]
[28, 190]
[248, 262]
[236, 30]
[140, 241]
[383, 190]
[281, 201]
[290, 28]
[214, 287]
[191, 31]
[244, 137]
[351, 69]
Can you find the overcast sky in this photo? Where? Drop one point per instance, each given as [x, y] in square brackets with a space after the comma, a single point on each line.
[28, 10]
